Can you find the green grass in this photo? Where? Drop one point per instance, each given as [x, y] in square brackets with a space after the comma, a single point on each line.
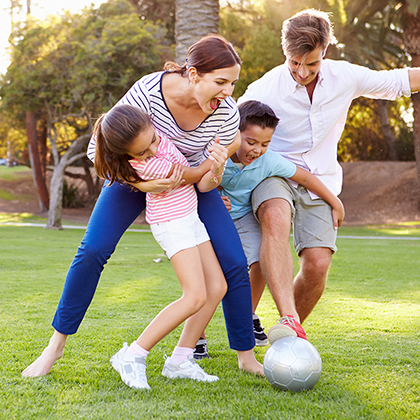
[366, 328]
[15, 172]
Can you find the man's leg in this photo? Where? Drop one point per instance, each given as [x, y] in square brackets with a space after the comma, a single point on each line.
[275, 254]
[309, 284]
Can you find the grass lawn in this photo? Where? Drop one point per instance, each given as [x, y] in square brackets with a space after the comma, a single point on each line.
[366, 329]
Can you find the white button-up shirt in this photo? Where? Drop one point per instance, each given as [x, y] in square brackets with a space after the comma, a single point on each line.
[308, 133]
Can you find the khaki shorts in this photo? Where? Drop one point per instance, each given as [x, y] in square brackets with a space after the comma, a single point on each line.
[250, 234]
[311, 219]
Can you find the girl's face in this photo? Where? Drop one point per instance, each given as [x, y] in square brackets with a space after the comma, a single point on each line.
[212, 88]
[145, 145]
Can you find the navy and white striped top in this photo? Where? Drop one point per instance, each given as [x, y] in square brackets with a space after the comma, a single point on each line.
[223, 123]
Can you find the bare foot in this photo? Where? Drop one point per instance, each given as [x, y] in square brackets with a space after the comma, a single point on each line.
[248, 362]
[49, 356]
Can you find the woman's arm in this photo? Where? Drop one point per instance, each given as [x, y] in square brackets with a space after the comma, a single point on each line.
[174, 180]
[312, 183]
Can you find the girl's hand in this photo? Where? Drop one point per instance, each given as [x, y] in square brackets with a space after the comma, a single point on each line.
[338, 214]
[226, 202]
[218, 156]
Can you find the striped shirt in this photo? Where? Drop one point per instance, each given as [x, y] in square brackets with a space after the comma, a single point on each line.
[167, 205]
[223, 123]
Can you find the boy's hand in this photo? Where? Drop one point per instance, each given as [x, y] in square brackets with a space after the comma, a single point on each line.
[227, 202]
[338, 214]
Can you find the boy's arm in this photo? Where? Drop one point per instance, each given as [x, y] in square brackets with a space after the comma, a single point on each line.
[312, 183]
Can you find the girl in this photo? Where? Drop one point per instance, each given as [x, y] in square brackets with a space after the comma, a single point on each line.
[126, 132]
[191, 105]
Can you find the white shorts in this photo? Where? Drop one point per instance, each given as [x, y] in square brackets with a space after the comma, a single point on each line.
[178, 234]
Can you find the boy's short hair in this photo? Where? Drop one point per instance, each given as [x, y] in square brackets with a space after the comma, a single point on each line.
[256, 113]
[305, 31]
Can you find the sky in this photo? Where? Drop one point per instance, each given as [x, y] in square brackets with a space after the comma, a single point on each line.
[39, 9]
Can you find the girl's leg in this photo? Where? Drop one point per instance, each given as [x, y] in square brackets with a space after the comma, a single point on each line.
[257, 284]
[188, 269]
[115, 210]
[237, 303]
[216, 287]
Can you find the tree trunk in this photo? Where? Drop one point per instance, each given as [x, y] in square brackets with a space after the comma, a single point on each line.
[411, 34]
[56, 200]
[194, 19]
[39, 179]
[386, 129]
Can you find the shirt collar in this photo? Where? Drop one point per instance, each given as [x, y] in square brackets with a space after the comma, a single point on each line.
[295, 85]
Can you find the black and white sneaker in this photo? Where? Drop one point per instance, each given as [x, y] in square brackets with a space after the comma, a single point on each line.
[261, 338]
[201, 350]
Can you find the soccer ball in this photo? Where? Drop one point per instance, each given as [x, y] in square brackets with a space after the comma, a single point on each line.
[293, 364]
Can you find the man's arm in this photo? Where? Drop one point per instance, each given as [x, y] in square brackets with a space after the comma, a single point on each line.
[414, 77]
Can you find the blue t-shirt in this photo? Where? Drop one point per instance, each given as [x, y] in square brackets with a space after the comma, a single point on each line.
[238, 184]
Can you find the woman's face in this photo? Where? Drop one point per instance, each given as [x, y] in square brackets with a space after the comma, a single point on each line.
[145, 145]
[212, 88]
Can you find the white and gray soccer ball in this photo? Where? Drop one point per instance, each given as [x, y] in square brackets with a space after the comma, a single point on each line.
[292, 364]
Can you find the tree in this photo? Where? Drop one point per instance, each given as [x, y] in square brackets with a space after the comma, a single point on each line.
[73, 67]
[194, 19]
[411, 26]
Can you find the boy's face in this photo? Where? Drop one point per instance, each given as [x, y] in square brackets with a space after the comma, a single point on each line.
[254, 143]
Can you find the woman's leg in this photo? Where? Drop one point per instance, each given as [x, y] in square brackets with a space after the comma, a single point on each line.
[115, 210]
[237, 303]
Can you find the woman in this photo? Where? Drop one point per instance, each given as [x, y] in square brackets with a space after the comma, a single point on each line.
[192, 106]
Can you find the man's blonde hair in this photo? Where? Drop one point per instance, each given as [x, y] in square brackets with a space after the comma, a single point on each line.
[305, 31]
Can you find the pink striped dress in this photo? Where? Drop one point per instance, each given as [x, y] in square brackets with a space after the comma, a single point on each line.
[170, 205]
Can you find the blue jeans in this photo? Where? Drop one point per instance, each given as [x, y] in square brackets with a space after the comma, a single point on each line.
[116, 209]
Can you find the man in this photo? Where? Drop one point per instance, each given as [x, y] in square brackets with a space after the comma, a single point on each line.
[311, 97]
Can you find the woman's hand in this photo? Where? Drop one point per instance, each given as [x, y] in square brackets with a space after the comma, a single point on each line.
[157, 186]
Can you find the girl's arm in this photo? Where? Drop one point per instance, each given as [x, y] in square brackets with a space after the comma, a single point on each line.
[194, 175]
[187, 175]
[312, 183]
[218, 157]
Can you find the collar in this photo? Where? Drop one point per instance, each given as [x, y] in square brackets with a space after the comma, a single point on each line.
[295, 85]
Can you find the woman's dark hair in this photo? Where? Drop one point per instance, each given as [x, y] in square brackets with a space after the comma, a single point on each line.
[256, 113]
[115, 131]
[212, 52]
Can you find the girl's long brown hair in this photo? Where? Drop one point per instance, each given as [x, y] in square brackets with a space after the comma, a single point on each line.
[115, 131]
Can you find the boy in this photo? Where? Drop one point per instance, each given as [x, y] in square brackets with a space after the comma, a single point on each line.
[251, 164]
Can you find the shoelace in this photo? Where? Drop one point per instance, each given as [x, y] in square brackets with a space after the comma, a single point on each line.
[287, 320]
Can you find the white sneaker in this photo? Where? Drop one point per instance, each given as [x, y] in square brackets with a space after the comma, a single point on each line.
[132, 369]
[187, 369]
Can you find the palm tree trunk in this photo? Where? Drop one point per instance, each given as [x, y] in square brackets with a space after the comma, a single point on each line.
[194, 19]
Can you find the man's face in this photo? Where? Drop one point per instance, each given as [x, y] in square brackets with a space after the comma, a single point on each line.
[305, 68]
